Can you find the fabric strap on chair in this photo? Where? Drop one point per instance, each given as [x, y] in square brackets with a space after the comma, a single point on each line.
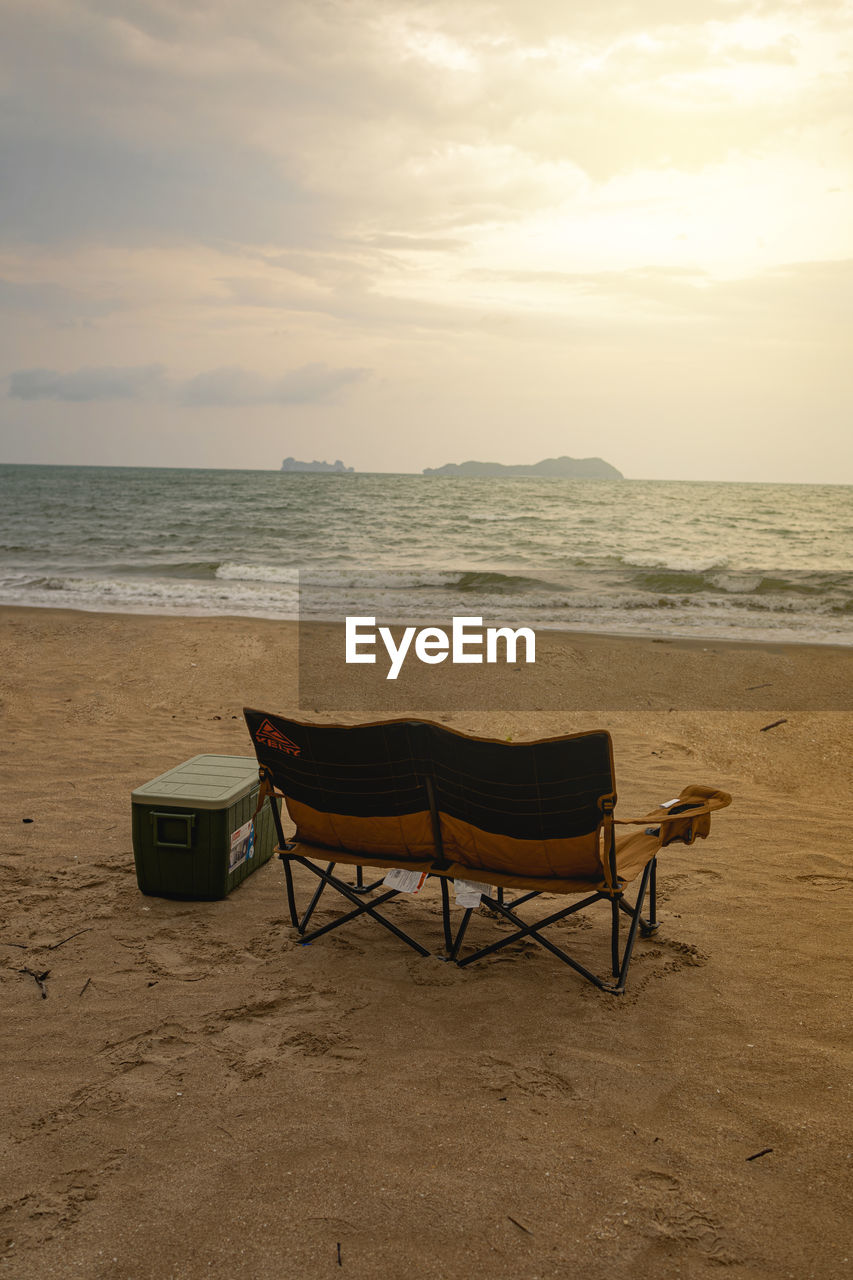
[265, 791]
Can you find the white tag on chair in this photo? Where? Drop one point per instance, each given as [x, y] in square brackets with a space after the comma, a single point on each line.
[665, 804]
[404, 881]
[467, 893]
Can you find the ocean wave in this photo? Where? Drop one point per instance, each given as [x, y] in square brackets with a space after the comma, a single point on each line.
[202, 569]
[436, 598]
[673, 580]
[230, 572]
[812, 584]
[396, 595]
[494, 583]
[147, 595]
[339, 576]
[388, 579]
[682, 562]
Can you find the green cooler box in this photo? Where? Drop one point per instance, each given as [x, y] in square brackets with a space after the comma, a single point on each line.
[193, 834]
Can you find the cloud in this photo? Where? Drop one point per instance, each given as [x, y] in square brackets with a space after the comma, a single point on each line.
[293, 125]
[65, 189]
[229, 386]
[809, 301]
[310, 384]
[356, 308]
[409, 243]
[107, 383]
[47, 298]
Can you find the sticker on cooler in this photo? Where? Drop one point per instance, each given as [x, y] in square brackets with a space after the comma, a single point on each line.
[242, 845]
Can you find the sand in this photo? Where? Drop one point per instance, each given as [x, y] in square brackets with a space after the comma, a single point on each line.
[198, 1095]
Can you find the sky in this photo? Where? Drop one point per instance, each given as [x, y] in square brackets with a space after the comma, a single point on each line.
[407, 234]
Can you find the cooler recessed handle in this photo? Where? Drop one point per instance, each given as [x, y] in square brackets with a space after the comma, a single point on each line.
[158, 822]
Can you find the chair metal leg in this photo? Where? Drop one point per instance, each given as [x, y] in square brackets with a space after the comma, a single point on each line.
[315, 899]
[614, 934]
[362, 907]
[291, 897]
[445, 914]
[632, 932]
[648, 928]
[360, 886]
[525, 897]
[533, 930]
[285, 857]
[453, 950]
[620, 963]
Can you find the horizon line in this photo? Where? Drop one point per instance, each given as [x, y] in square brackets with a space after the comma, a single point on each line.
[144, 466]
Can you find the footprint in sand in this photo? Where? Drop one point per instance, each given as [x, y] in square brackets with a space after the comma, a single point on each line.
[530, 1078]
[431, 971]
[34, 1218]
[826, 881]
[686, 953]
[655, 1180]
[665, 1214]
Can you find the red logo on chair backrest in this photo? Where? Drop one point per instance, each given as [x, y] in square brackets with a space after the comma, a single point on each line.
[269, 736]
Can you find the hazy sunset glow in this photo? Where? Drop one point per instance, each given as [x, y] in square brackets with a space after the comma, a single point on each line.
[406, 234]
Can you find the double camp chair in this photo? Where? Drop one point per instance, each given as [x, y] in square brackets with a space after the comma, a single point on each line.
[526, 818]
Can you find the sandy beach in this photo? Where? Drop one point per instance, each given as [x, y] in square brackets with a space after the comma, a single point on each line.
[188, 1092]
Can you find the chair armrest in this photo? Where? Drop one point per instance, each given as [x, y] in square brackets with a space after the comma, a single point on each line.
[686, 818]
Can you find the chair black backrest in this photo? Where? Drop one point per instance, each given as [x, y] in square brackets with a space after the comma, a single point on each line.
[371, 770]
[544, 790]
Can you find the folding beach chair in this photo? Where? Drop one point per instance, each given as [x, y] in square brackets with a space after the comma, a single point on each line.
[528, 818]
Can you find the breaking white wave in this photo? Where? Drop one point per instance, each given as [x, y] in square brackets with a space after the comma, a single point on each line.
[148, 595]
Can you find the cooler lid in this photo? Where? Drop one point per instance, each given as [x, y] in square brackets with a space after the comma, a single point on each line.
[204, 782]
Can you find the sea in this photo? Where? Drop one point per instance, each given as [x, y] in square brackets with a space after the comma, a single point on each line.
[765, 562]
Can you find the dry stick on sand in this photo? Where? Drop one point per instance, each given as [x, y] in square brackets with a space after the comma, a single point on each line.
[765, 727]
[520, 1225]
[53, 946]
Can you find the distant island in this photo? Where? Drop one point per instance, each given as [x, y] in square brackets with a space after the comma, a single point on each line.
[293, 464]
[559, 468]
[563, 468]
